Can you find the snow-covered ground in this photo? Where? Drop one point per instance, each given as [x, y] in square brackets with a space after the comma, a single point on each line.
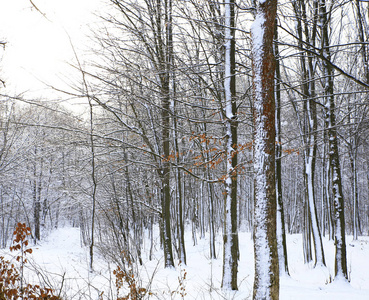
[62, 262]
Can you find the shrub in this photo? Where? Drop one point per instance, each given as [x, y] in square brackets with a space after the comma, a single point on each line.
[12, 283]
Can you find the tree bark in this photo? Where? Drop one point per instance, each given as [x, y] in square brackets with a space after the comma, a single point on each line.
[266, 281]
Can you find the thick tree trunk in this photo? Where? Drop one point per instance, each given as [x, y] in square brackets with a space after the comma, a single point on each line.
[266, 281]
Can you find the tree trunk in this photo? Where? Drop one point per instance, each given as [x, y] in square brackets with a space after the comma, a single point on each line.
[94, 185]
[165, 193]
[339, 218]
[37, 188]
[317, 238]
[281, 231]
[230, 235]
[363, 37]
[211, 220]
[329, 203]
[308, 35]
[330, 119]
[356, 217]
[36, 210]
[137, 236]
[164, 47]
[306, 238]
[266, 281]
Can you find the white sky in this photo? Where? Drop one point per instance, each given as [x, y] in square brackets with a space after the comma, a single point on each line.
[38, 49]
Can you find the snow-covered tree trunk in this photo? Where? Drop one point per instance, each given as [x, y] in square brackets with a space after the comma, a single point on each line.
[306, 39]
[309, 174]
[330, 119]
[230, 236]
[266, 281]
[339, 218]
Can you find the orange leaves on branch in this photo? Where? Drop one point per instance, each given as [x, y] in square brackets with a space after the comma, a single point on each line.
[215, 162]
[127, 277]
[171, 157]
[292, 150]
[20, 241]
[12, 285]
[20, 236]
[212, 152]
[288, 151]
[245, 146]
[203, 138]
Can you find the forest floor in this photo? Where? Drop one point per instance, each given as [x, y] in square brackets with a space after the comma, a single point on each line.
[61, 262]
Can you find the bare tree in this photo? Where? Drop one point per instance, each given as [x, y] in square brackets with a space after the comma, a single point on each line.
[305, 15]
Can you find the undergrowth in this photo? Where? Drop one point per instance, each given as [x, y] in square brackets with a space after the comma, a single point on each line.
[12, 282]
[14, 286]
[129, 287]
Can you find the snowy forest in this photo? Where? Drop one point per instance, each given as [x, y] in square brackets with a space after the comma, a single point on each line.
[200, 123]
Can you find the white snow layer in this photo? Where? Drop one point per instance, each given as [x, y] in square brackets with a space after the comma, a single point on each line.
[61, 253]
